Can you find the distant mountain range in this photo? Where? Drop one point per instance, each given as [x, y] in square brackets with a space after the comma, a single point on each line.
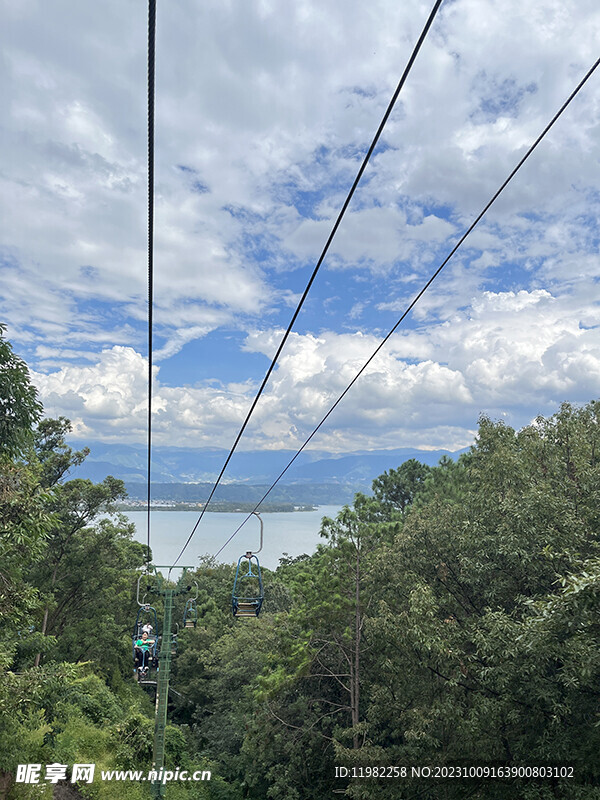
[310, 474]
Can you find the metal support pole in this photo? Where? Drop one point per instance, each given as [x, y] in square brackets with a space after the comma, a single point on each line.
[162, 695]
[164, 670]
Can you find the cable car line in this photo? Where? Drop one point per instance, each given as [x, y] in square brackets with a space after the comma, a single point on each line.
[420, 294]
[336, 225]
[151, 70]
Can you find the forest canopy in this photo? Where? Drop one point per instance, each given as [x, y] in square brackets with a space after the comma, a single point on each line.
[450, 619]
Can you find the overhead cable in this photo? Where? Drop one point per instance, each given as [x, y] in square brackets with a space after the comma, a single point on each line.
[419, 295]
[341, 214]
[151, 69]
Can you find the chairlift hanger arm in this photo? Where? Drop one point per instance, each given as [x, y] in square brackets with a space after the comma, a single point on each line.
[254, 552]
[138, 591]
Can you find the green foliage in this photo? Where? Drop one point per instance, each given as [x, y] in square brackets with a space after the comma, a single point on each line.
[131, 741]
[471, 602]
[448, 481]
[88, 593]
[396, 489]
[451, 619]
[25, 524]
[66, 584]
[480, 659]
[88, 566]
[19, 407]
[52, 452]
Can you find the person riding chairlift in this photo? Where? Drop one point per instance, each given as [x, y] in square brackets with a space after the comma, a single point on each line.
[143, 649]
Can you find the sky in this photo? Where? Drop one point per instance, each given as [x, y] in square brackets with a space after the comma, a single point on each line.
[264, 111]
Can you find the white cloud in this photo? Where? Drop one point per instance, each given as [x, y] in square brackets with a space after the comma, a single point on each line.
[376, 237]
[262, 120]
[507, 353]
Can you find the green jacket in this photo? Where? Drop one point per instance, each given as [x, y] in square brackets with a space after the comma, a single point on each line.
[145, 645]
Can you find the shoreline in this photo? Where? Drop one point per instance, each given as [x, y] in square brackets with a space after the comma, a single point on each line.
[220, 508]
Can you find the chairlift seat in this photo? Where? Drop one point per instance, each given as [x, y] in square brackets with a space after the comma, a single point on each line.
[190, 613]
[246, 608]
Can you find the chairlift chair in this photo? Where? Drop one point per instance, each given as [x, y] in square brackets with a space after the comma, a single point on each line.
[146, 614]
[190, 612]
[248, 593]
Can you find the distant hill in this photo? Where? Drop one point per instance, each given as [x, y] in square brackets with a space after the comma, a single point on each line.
[318, 477]
[319, 494]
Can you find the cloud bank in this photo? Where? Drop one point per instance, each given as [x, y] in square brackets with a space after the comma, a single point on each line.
[264, 112]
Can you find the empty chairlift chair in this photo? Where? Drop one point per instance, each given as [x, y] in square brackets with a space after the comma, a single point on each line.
[248, 594]
[190, 613]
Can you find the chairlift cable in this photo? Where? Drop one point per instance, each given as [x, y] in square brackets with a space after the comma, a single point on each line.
[419, 295]
[151, 70]
[336, 225]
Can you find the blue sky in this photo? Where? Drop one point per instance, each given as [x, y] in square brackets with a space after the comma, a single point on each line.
[264, 110]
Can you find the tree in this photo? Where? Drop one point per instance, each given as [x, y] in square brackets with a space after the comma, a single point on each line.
[87, 573]
[397, 488]
[25, 522]
[324, 638]
[479, 659]
[55, 552]
[20, 408]
[51, 540]
[24, 518]
[52, 452]
[447, 481]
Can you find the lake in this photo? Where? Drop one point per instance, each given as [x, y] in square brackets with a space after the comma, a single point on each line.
[293, 533]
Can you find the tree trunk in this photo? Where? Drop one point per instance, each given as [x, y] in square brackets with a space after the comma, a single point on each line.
[355, 679]
[38, 656]
[6, 779]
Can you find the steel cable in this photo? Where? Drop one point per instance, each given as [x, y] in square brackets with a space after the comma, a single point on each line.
[340, 216]
[419, 295]
[151, 70]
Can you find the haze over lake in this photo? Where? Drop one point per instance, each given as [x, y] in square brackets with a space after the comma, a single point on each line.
[293, 533]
